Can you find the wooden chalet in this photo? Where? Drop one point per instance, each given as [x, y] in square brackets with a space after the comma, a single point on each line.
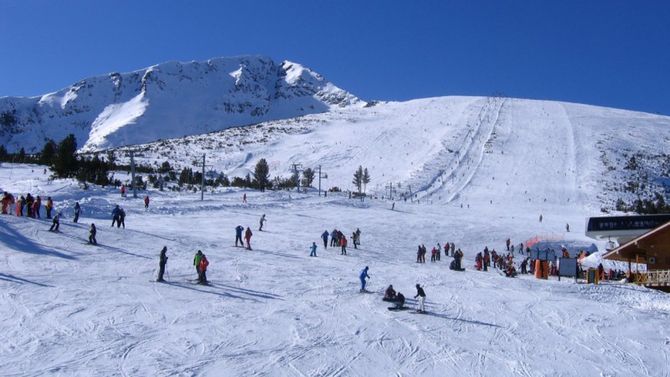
[653, 250]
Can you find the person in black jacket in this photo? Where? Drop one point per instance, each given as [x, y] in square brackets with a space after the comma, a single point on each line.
[77, 211]
[422, 298]
[161, 264]
[91, 235]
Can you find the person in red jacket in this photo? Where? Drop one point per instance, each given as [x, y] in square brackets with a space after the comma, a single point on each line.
[146, 202]
[203, 270]
[343, 245]
[247, 237]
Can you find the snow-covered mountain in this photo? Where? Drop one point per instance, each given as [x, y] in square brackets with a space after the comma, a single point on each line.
[454, 150]
[168, 100]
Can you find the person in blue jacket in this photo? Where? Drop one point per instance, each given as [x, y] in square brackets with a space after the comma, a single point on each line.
[116, 216]
[313, 250]
[324, 237]
[364, 275]
[238, 235]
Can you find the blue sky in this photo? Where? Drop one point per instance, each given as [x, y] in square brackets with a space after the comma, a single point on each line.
[610, 53]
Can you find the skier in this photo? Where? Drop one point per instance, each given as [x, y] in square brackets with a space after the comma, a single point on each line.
[399, 301]
[122, 218]
[116, 214]
[333, 238]
[418, 254]
[49, 206]
[540, 217]
[422, 298]
[390, 294]
[353, 237]
[123, 191]
[161, 264]
[196, 263]
[343, 245]
[7, 199]
[507, 243]
[244, 198]
[324, 237]
[433, 254]
[313, 250]
[262, 221]
[478, 262]
[567, 228]
[202, 279]
[77, 211]
[358, 237]
[19, 205]
[36, 207]
[55, 223]
[91, 235]
[247, 237]
[238, 235]
[29, 204]
[146, 202]
[364, 275]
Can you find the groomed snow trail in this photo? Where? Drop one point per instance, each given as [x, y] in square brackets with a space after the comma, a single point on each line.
[73, 309]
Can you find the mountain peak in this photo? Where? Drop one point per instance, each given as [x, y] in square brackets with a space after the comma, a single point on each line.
[170, 99]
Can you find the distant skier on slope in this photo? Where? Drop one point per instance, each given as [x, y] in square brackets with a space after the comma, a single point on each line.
[247, 237]
[238, 235]
[161, 264]
[77, 212]
[146, 201]
[390, 294]
[91, 235]
[422, 299]
[343, 245]
[196, 262]
[49, 207]
[362, 276]
[116, 215]
[55, 223]
[324, 237]
[312, 249]
[262, 222]
[204, 263]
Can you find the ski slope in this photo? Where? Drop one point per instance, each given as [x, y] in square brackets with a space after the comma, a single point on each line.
[451, 150]
[68, 308]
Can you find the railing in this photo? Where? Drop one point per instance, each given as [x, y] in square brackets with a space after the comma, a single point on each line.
[653, 278]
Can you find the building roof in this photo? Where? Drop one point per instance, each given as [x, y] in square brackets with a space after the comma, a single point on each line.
[637, 247]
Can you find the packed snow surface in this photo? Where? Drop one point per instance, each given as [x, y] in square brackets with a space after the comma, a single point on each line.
[68, 308]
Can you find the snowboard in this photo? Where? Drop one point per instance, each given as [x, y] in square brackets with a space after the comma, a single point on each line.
[394, 309]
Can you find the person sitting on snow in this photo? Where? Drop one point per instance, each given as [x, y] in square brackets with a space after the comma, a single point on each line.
[399, 301]
[390, 294]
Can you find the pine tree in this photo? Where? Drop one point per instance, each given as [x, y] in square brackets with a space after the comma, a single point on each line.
[358, 179]
[48, 152]
[3, 153]
[65, 164]
[262, 174]
[308, 177]
[365, 178]
[21, 156]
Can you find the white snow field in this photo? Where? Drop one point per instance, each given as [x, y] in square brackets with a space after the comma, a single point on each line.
[70, 309]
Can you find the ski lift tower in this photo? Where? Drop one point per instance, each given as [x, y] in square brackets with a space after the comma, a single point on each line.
[131, 153]
[202, 181]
